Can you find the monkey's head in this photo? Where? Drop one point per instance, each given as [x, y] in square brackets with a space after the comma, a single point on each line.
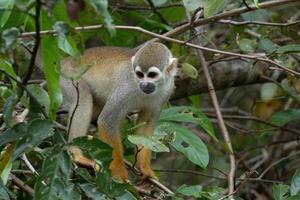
[153, 66]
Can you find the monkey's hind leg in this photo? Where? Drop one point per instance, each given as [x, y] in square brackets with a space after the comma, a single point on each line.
[117, 166]
[80, 116]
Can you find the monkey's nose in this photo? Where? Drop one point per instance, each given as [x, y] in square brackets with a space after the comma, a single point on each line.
[147, 87]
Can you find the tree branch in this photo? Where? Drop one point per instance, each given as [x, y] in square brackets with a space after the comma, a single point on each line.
[37, 42]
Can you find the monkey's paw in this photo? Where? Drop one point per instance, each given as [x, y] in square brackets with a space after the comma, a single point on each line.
[119, 171]
[80, 159]
[147, 172]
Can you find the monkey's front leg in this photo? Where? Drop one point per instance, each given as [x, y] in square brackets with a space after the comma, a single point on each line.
[144, 155]
[117, 166]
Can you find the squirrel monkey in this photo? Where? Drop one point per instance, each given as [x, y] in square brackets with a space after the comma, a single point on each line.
[119, 81]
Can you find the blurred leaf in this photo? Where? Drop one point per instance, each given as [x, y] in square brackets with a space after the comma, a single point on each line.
[192, 5]
[279, 191]
[102, 7]
[291, 48]
[92, 192]
[6, 162]
[296, 197]
[40, 95]
[187, 143]
[9, 108]
[267, 45]
[148, 143]
[286, 116]
[65, 43]
[188, 114]
[126, 196]
[268, 91]
[94, 148]
[13, 134]
[295, 183]
[256, 2]
[189, 70]
[61, 28]
[3, 193]
[50, 60]
[148, 21]
[8, 5]
[247, 45]
[194, 190]
[213, 192]
[10, 36]
[8, 68]
[212, 7]
[37, 131]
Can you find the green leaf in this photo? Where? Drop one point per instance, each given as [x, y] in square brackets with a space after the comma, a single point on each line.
[65, 43]
[188, 114]
[286, 116]
[194, 190]
[53, 182]
[107, 185]
[189, 70]
[102, 7]
[126, 196]
[37, 131]
[256, 3]
[247, 45]
[3, 191]
[6, 162]
[40, 95]
[148, 143]
[8, 68]
[279, 191]
[50, 60]
[13, 134]
[212, 7]
[267, 45]
[8, 5]
[291, 48]
[295, 184]
[9, 108]
[91, 191]
[10, 36]
[187, 143]
[94, 148]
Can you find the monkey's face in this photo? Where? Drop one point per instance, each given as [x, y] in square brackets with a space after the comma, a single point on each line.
[149, 80]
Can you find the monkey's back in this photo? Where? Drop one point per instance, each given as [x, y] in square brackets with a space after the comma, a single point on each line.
[100, 67]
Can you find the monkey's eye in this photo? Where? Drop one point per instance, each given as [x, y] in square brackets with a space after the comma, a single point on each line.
[139, 74]
[152, 74]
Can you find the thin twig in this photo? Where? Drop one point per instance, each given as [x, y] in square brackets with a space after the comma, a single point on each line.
[224, 131]
[18, 182]
[187, 171]
[228, 14]
[223, 21]
[166, 38]
[128, 7]
[276, 162]
[152, 180]
[76, 105]
[28, 74]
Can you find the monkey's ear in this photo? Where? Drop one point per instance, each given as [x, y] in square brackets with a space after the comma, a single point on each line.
[172, 68]
[132, 59]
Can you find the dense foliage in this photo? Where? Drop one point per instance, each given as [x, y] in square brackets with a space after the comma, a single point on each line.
[191, 156]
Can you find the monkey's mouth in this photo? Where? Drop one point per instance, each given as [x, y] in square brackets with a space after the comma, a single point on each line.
[147, 87]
